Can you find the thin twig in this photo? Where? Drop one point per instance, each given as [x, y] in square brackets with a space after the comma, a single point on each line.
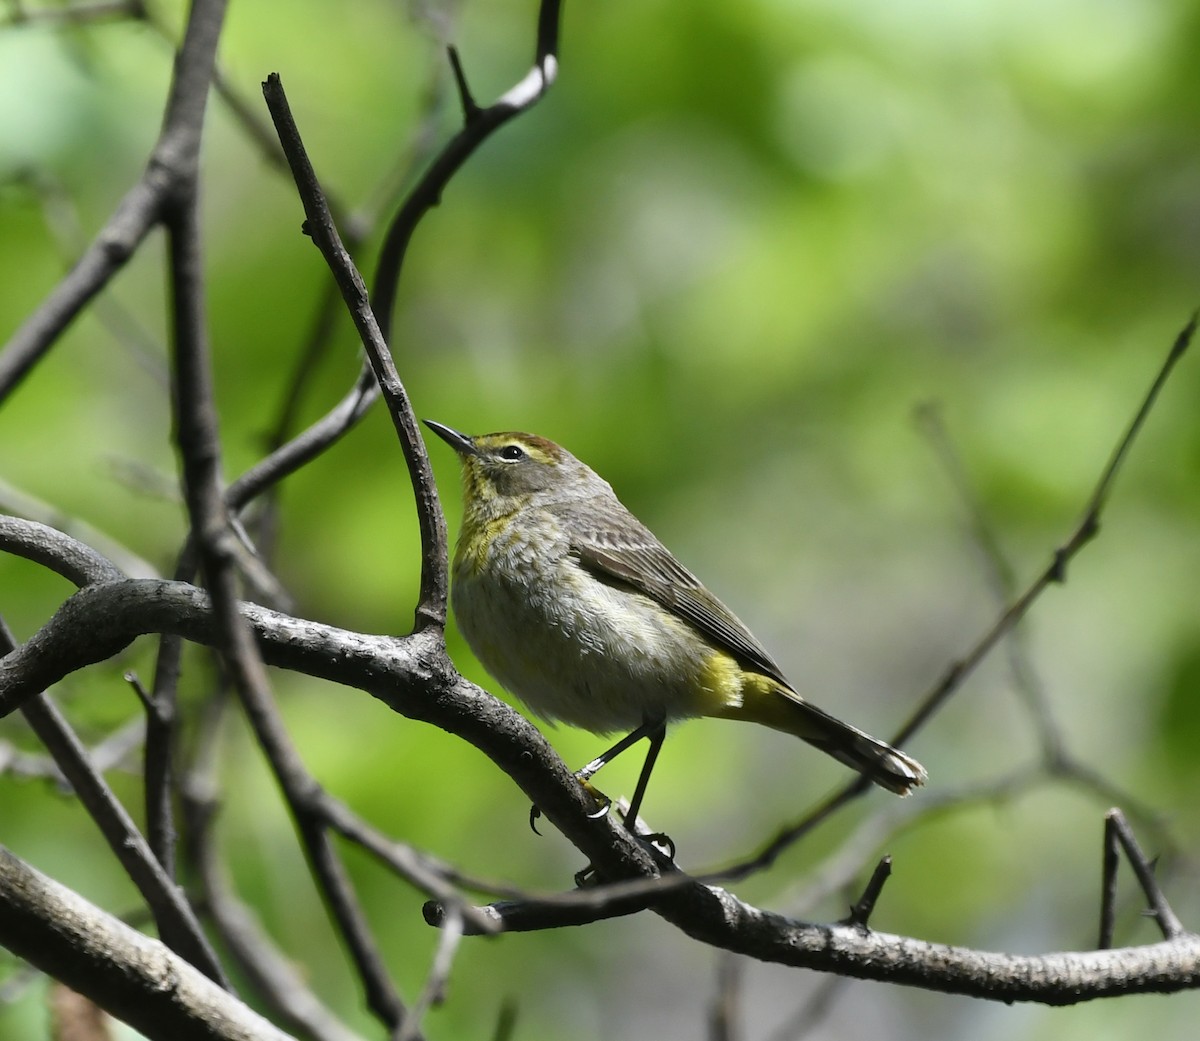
[157, 772]
[1056, 571]
[431, 607]
[862, 909]
[173, 915]
[426, 194]
[171, 162]
[954, 677]
[274, 975]
[725, 1009]
[1058, 761]
[1108, 884]
[434, 991]
[470, 109]
[1000, 578]
[1167, 921]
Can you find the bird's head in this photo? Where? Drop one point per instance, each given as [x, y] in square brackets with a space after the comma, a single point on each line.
[503, 472]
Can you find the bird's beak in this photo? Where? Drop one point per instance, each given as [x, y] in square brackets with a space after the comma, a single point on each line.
[461, 443]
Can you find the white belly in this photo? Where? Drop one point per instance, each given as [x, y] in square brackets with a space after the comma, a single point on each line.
[592, 655]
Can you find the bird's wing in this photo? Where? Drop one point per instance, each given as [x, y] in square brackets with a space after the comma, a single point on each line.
[613, 545]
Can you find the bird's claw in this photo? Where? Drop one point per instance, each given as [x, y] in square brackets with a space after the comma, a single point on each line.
[603, 803]
[661, 841]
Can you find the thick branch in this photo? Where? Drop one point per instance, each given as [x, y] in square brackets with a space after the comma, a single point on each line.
[129, 975]
[173, 915]
[413, 677]
[716, 917]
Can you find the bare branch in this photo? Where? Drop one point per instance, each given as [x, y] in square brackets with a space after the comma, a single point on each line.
[861, 912]
[431, 607]
[176, 922]
[717, 917]
[1056, 572]
[954, 677]
[470, 109]
[158, 762]
[434, 991]
[129, 975]
[269, 970]
[1108, 885]
[412, 676]
[56, 551]
[173, 915]
[172, 157]
[424, 196]
[428, 191]
[214, 540]
[577, 907]
[1116, 825]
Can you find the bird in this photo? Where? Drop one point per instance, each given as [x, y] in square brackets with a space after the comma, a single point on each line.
[582, 613]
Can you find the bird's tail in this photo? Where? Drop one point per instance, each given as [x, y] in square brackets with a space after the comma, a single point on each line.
[783, 709]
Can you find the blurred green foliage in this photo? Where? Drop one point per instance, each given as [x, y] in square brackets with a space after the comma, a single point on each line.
[723, 261]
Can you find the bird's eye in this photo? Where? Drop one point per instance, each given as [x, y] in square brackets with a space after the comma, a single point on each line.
[511, 453]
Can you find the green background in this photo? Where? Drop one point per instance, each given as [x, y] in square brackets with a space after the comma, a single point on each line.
[724, 262]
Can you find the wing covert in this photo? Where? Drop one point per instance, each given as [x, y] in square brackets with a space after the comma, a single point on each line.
[615, 546]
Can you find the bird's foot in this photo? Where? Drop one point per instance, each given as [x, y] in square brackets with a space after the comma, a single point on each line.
[659, 841]
[660, 844]
[603, 802]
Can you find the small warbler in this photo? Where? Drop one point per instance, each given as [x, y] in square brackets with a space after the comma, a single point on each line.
[575, 607]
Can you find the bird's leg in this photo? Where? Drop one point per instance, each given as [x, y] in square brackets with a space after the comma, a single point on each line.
[656, 732]
[647, 729]
[653, 729]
